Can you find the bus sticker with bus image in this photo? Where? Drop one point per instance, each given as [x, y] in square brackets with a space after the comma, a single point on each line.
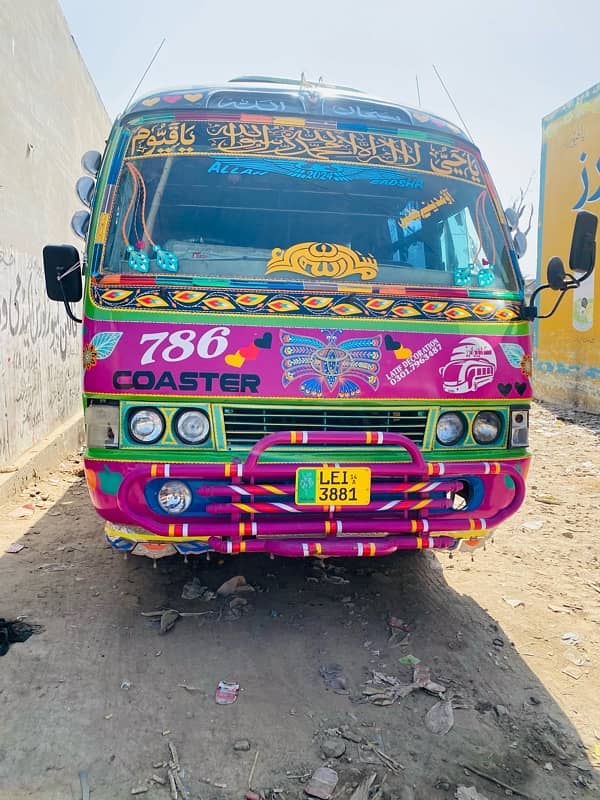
[472, 365]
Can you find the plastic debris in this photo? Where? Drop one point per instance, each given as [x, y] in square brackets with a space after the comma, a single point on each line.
[139, 790]
[322, 783]
[338, 580]
[189, 688]
[384, 690]
[440, 718]
[409, 661]
[573, 672]
[396, 623]
[195, 590]
[12, 632]
[351, 736]
[226, 693]
[234, 585]
[241, 746]
[84, 784]
[15, 547]
[168, 619]
[389, 762]
[578, 661]
[333, 675]
[362, 790]
[513, 602]
[559, 609]
[571, 638]
[548, 499]
[468, 793]
[533, 524]
[25, 511]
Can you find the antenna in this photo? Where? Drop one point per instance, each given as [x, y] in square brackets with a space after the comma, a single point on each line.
[464, 124]
[418, 90]
[152, 60]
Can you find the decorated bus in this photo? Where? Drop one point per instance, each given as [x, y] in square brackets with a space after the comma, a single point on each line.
[304, 329]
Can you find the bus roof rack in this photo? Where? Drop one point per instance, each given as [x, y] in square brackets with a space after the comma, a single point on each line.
[292, 82]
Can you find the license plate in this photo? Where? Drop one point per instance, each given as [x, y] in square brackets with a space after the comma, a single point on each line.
[337, 486]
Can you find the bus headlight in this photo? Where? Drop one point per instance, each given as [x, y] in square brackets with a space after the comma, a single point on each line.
[146, 425]
[450, 428]
[519, 427]
[102, 421]
[192, 426]
[486, 427]
[174, 497]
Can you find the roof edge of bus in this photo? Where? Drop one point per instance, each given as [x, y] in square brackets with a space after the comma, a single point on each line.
[176, 97]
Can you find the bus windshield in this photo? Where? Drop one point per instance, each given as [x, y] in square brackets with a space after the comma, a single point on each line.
[225, 212]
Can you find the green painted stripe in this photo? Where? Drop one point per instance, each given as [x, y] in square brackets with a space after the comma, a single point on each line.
[518, 328]
[400, 404]
[375, 456]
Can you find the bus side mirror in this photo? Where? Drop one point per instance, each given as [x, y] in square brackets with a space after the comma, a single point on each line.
[62, 272]
[583, 245]
[556, 273]
[581, 262]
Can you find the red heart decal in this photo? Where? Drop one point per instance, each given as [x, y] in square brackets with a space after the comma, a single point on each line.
[171, 98]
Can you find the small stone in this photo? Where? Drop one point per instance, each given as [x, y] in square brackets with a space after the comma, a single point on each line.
[242, 746]
[333, 748]
[501, 711]
[443, 785]
[139, 790]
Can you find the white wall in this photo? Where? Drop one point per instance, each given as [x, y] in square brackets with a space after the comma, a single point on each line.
[50, 114]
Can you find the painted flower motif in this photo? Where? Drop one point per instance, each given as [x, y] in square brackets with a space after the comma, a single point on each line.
[526, 366]
[90, 356]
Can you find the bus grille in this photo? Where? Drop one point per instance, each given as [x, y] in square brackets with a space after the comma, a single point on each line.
[245, 426]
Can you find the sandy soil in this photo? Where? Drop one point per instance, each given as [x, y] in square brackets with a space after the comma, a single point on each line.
[491, 630]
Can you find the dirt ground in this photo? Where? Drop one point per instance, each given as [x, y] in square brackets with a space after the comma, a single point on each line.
[513, 634]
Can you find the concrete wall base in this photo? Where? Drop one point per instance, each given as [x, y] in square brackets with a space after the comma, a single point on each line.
[44, 457]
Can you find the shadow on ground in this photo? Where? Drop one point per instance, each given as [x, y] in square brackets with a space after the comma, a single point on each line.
[63, 709]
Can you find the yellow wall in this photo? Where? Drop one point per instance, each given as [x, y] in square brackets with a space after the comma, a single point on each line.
[568, 344]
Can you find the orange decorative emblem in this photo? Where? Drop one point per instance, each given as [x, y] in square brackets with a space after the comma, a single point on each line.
[323, 260]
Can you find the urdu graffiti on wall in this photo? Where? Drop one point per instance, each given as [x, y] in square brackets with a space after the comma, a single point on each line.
[586, 197]
[24, 314]
[38, 356]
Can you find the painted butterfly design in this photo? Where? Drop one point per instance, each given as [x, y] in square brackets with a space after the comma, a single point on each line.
[328, 366]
